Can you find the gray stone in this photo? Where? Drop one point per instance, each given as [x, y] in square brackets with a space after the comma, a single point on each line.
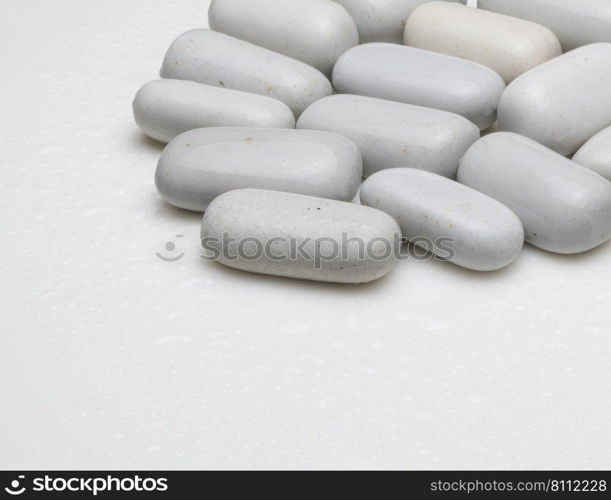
[164, 109]
[453, 221]
[421, 77]
[199, 165]
[392, 134]
[563, 102]
[564, 207]
[296, 236]
[217, 59]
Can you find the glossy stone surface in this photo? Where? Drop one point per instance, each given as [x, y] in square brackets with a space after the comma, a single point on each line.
[596, 154]
[564, 207]
[563, 102]
[330, 234]
[199, 165]
[391, 134]
[421, 77]
[381, 20]
[575, 22]
[508, 45]
[164, 109]
[316, 32]
[454, 221]
[217, 59]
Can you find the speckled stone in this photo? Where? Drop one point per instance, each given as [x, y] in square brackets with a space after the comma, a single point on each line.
[421, 77]
[217, 59]
[392, 134]
[164, 109]
[282, 221]
[316, 32]
[563, 102]
[564, 207]
[481, 36]
[454, 221]
[596, 154]
[199, 165]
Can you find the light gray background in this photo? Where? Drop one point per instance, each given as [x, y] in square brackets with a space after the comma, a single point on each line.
[112, 358]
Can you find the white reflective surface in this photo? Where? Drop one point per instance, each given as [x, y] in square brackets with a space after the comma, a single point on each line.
[113, 358]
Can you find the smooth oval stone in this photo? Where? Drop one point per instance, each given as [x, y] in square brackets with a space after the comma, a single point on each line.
[392, 134]
[164, 109]
[481, 36]
[217, 59]
[563, 102]
[297, 236]
[596, 154]
[421, 77]
[575, 22]
[452, 220]
[316, 32]
[564, 207]
[381, 20]
[201, 164]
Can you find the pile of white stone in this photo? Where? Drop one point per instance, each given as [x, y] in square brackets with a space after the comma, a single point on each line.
[460, 119]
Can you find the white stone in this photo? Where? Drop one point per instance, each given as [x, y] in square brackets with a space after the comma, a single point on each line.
[217, 59]
[421, 77]
[381, 20]
[262, 231]
[316, 32]
[575, 22]
[564, 207]
[508, 45]
[596, 154]
[453, 221]
[164, 109]
[563, 102]
[201, 164]
[392, 134]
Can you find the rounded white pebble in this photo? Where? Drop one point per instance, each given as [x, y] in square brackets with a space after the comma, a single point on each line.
[563, 102]
[381, 20]
[296, 236]
[421, 77]
[316, 32]
[575, 22]
[564, 207]
[453, 221]
[392, 134]
[217, 59]
[164, 109]
[596, 154]
[481, 36]
[201, 164]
